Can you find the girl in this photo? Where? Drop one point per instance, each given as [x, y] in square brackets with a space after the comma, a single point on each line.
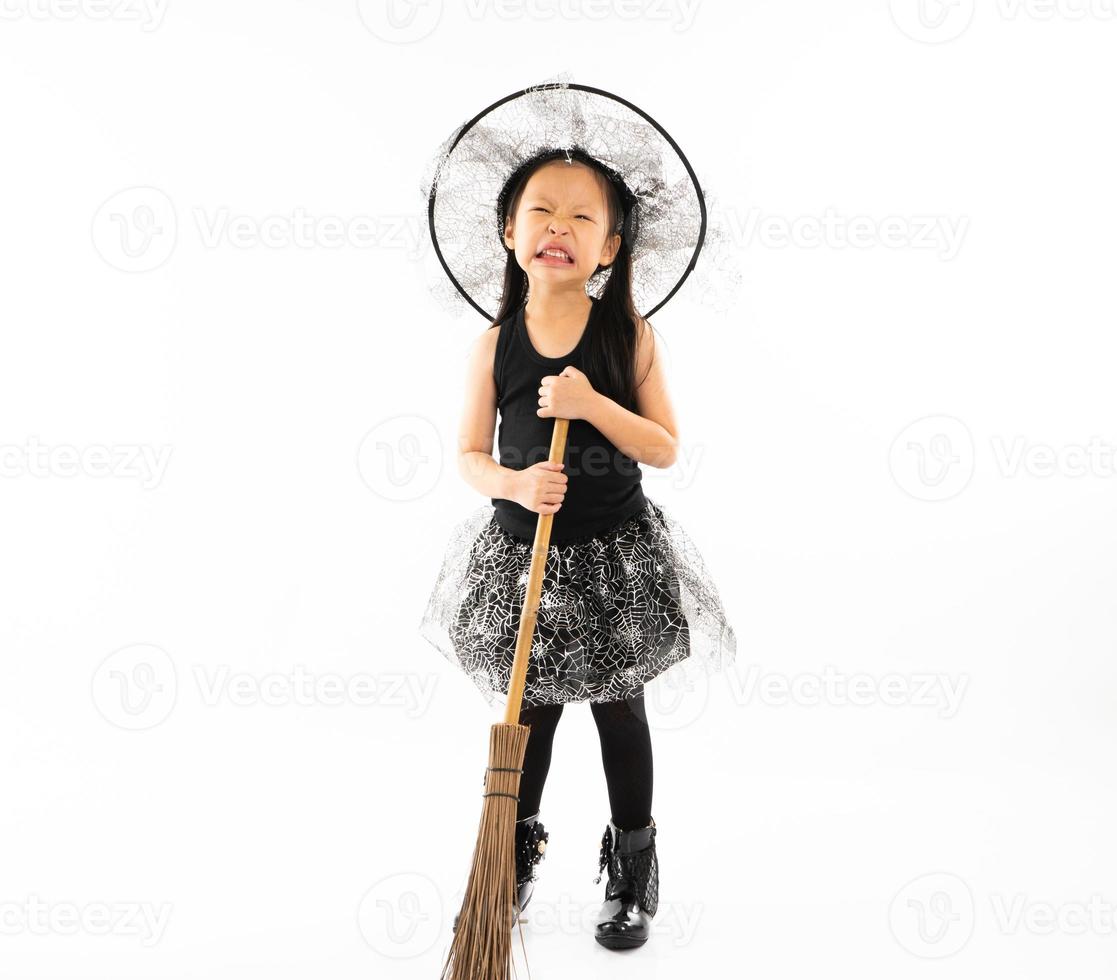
[625, 593]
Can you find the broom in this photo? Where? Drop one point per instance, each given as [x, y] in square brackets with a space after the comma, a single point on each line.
[482, 945]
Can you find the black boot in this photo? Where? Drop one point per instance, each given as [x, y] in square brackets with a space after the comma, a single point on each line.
[530, 845]
[632, 893]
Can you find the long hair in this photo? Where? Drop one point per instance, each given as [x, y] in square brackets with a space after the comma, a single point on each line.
[611, 346]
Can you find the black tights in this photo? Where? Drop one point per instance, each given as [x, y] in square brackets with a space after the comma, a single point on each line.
[626, 755]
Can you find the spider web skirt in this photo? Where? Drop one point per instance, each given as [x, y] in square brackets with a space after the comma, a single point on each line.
[616, 609]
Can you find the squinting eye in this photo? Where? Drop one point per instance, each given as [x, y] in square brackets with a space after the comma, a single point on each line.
[538, 208]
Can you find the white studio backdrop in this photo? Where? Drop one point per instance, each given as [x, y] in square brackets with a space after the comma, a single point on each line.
[228, 412]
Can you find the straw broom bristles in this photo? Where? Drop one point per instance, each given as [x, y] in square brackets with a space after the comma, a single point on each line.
[482, 945]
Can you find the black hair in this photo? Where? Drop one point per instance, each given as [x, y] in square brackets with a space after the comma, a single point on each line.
[610, 348]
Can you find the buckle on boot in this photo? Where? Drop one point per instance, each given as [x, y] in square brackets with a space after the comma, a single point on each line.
[531, 845]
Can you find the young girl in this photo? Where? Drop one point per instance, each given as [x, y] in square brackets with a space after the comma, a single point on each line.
[625, 593]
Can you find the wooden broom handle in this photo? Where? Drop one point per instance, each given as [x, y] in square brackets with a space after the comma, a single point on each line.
[534, 588]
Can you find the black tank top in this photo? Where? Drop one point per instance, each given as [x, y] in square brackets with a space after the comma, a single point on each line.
[603, 488]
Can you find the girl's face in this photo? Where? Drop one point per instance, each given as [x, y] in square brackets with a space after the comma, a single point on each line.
[562, 207]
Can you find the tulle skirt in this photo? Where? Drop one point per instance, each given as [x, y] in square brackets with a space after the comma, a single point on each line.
[616, 610]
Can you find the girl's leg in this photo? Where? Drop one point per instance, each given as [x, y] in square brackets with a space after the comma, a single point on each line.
[537, 759]
[626, 754]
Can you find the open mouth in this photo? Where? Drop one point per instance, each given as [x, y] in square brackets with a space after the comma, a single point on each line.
[555, 255]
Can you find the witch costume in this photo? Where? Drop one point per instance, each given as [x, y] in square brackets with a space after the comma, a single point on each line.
[626, 595]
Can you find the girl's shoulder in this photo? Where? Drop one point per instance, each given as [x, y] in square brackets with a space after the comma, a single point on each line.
[645, 346]
[481, 356]
[489, 347]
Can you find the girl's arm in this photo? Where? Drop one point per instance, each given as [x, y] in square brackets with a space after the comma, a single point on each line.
[478, 423]
[650, 435]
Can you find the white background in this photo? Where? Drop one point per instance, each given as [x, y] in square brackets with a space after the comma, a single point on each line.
[898, 464]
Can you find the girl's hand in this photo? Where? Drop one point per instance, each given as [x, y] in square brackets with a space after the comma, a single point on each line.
[540, 488]
[568, 395]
